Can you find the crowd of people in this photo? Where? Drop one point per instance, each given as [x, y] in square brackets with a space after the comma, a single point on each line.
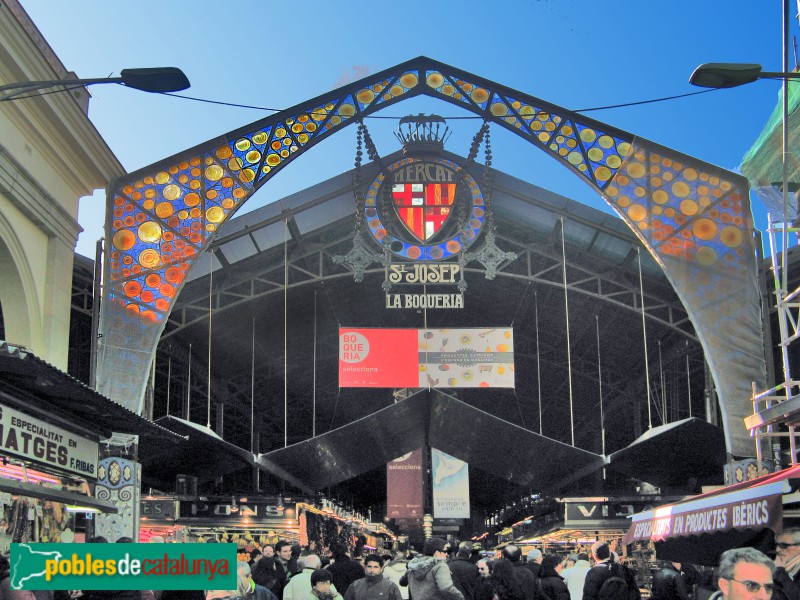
[442, 572]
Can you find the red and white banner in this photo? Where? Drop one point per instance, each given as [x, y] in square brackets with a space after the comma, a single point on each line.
[426, 358]
[405, 486]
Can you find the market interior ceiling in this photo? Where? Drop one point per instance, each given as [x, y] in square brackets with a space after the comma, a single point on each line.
[273, 354]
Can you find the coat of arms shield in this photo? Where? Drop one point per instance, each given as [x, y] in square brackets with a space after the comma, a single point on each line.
[424, 208]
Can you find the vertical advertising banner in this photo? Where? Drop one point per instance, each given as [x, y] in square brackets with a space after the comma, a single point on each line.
[450, 486]
[405, 486]
[426, 358]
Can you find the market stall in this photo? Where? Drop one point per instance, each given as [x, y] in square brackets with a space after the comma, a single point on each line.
[256, 520]
[698, 529]
[51, 429]
[261, 520]
[572, 524]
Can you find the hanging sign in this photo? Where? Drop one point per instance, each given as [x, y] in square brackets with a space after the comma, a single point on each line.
[165, 509]
[450, 486]
[438, 206]
[438, 213]
[36, 440]
[407, 279]
[426, 358]
[405, 481]
[754, 508]
[586, 513]
[253, 511]
[380, 358]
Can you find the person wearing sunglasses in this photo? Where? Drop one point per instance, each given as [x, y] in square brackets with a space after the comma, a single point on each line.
[787, 551]
[787, 562]
[746, 574]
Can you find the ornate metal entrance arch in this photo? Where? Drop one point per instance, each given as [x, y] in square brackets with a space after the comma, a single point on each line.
[693, 217]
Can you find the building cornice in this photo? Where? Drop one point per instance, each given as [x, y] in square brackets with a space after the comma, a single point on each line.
[65, 135]
[36, 37]
[21, 188]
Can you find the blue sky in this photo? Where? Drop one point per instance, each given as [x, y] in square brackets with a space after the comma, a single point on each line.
[575, 53]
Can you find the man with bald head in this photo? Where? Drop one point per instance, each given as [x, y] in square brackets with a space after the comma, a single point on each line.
[465, 573]
[534, 561]
[299, 586]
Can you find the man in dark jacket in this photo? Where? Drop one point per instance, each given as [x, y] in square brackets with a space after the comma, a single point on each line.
[606, 567]
[599, 572]
[525, 578]
[285, 565]
[668, 583]
[787, 561]
[343, 570]
[465, 573]
[534, 563]
[373, 586]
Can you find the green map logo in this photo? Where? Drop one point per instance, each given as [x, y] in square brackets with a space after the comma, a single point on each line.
[123, 566]
[25, 562]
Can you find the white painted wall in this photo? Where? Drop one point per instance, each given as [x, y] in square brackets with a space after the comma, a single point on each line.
[50, 156]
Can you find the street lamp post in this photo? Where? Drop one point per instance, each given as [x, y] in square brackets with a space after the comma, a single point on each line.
[728, 75]
[157, 80]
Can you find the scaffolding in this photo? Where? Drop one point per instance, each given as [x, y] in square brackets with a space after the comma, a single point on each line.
[779, 406]
[772, 168]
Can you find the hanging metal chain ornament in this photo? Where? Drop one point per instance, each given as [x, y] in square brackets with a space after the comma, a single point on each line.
[384, 204]
[482, 133]
[358, 195]
[372, 151]
[474, 147]
[487, 180]
[360, 256]
[489, 255]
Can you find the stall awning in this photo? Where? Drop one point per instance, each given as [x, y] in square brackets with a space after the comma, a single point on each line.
[754, 505]
[32, 385]
[560, 534]
[21, 488]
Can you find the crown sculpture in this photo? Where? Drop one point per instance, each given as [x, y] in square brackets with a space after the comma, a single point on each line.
[422, 134]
